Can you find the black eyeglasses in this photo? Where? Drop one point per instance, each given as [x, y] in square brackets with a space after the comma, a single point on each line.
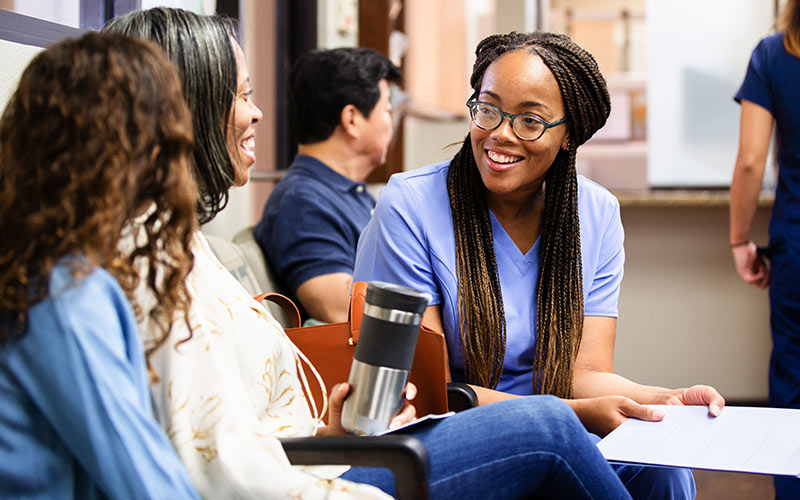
[526, 126]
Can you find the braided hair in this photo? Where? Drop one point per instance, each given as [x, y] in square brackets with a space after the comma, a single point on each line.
[559, 322]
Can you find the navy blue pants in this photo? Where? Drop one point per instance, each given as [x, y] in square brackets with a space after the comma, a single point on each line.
[784, 365]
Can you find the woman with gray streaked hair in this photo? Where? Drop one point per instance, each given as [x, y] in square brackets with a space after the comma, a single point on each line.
[201, 48]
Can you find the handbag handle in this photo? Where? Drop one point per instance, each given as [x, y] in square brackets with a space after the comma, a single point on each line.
[285, 303]
[357, 300]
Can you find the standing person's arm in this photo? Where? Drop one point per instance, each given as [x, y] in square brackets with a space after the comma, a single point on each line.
[755, 131]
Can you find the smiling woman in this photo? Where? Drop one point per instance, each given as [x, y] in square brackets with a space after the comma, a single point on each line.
[522, 256]
[241, 138]
[202, 49]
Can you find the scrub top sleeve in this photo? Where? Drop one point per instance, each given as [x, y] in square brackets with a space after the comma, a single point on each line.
[76, 365]
[394, 246]
[755, 87]
[603, 296]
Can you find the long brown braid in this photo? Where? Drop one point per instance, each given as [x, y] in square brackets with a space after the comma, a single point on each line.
[559, 321]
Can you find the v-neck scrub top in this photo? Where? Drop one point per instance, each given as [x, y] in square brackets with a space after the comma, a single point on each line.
[410, 241]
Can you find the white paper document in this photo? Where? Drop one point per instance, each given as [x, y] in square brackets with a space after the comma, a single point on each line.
[418, 422]
[741, 439]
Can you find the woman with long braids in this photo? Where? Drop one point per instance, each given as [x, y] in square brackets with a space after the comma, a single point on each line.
[523, 257]
[95, 136]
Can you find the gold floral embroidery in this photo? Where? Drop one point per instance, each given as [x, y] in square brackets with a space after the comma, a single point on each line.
[202, 419]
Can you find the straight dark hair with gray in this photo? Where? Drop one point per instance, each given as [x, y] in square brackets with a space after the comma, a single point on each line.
[201, 49]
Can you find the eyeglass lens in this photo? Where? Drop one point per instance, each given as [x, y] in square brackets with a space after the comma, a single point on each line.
[488, 117]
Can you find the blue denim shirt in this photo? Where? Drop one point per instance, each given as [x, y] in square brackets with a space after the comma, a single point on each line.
[76, 419]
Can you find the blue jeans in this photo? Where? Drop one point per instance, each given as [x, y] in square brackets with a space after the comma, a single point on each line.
[657, 483]
[525, 447]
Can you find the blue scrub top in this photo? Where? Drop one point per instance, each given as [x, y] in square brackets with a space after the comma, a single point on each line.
[76, 419]
[773, 82]
[311, 222]
[410, 241]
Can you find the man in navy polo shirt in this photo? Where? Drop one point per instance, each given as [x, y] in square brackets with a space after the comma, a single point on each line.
[342, 118]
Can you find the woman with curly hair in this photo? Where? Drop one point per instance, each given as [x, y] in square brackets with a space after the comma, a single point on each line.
[95, 135]
[522, 256]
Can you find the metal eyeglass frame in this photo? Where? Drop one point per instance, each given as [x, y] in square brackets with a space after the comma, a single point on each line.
[472, 103]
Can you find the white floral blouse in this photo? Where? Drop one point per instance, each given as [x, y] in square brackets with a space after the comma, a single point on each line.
[228, 393]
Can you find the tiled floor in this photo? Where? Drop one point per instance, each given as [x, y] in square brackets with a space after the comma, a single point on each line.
[713, 485]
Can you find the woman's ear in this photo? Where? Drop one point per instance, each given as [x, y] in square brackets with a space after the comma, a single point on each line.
[565, 142]
[349, 120]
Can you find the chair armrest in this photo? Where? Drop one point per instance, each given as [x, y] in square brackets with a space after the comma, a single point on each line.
[404, 455]
[460, 397]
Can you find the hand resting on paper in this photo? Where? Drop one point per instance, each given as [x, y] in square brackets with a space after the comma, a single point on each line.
[339, 393]
[601, 415]
[696, 395]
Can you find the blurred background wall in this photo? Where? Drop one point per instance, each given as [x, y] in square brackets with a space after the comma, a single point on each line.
[667, 152]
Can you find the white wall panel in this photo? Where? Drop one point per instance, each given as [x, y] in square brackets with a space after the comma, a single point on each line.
[697, 54]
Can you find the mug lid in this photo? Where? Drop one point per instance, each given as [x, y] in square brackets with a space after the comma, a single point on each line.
[393, 296]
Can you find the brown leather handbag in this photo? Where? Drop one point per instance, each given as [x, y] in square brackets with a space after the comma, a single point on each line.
[330, 349]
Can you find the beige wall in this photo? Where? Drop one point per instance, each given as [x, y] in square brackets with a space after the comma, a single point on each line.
[685, 316]
[15, 58]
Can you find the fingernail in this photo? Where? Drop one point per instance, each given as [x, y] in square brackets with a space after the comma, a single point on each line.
[714, 410]
[658, 414]
[394, 424]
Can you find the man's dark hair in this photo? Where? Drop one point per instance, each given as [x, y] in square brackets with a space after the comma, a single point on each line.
[323, 82]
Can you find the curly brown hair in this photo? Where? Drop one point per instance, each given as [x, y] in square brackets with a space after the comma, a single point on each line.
[96, 132]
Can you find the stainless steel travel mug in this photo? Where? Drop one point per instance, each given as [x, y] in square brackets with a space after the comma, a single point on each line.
[383, 357]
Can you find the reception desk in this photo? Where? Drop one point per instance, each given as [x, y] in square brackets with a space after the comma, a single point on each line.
[685, 315]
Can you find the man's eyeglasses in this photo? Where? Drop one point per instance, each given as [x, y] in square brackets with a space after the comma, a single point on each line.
[526, 126]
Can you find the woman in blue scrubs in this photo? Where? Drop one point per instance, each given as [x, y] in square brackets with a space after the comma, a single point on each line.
[523, 257]
[769, 97]
[96, 135]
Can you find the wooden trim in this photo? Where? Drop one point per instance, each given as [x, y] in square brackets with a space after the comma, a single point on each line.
[374, 29]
